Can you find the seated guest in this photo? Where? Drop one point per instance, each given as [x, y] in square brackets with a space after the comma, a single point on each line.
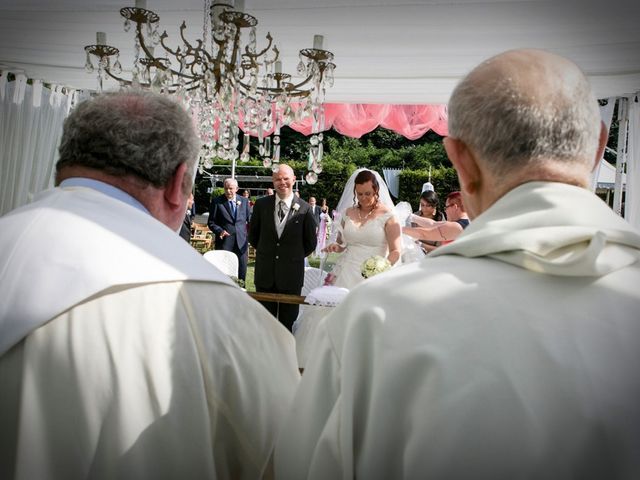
[441, 232]
[513, 351]
[113, 363]
[429, 209]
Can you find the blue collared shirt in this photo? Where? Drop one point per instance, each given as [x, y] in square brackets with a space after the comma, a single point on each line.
[102, 187]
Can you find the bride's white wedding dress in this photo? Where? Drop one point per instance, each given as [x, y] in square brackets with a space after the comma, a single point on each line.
[362, 242]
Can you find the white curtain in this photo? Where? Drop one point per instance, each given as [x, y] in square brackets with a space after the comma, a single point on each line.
[632, 196]
[31, 119]
[392, 178]
[606, 114]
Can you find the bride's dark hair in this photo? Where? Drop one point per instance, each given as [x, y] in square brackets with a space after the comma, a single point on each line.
[363, 177]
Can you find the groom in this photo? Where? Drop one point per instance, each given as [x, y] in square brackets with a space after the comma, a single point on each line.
[283, 232]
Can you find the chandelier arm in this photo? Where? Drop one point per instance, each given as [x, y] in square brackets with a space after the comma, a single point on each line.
[291, 91]
[156, 61]
[176, 53]
[217, 61]
[190, 50]
[183, 27]
[298, 86]
[263, 51]
[115, 77]
[231, 66]
[140, 38]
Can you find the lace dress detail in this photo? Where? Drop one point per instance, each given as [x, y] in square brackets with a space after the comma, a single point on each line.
[362, 241]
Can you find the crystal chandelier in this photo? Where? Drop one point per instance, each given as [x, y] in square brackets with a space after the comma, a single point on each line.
[226, 81]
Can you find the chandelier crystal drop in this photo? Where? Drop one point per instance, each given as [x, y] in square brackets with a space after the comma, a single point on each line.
[226, 80]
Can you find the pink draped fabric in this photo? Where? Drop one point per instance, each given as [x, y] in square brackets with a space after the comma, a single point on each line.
[354, 120]
[413, 121]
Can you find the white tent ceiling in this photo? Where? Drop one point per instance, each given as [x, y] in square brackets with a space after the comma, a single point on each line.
[387, 51]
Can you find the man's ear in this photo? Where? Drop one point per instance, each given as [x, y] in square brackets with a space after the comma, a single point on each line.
[173, 194]
[465, 163]
[602, 143]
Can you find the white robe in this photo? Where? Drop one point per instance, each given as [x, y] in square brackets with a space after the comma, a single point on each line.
[151, 377]
[520, 361]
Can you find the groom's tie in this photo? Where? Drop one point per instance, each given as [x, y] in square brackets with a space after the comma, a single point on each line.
[281, 210]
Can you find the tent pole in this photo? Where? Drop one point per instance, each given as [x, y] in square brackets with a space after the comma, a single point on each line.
[621, 160]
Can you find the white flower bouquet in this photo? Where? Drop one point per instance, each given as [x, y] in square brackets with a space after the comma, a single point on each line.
[374, 265]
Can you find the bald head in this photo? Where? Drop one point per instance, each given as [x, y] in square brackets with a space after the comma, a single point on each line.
[283, 180]
[527, 109]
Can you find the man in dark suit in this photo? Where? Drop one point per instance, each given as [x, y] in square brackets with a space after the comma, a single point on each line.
[315, 209]
[228, 218]
[185, 229]
[283, 232]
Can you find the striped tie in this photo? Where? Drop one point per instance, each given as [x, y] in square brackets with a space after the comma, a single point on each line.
[281, 210]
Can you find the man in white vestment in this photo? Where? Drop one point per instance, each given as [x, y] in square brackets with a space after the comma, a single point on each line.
[113, 363]
[511, 353]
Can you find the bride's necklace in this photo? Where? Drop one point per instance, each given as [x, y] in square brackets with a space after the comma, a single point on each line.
[362, 220]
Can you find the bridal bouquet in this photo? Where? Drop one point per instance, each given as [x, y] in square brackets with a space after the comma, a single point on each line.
[374, 265]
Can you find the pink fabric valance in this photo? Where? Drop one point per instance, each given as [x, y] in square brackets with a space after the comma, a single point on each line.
[354, 120]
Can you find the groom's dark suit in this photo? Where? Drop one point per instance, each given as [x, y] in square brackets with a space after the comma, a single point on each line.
[222, 218]
[280, 261]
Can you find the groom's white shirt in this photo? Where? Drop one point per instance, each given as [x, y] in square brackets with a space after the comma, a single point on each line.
[132, 345]
[517, 362]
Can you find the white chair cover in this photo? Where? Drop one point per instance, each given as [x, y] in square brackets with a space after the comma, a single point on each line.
[225, 261]
[312, 279]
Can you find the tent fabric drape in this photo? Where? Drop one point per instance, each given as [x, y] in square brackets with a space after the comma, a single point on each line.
[31, 119]
[606, 114]
[354, 120]
[391, 177]
[632, 199]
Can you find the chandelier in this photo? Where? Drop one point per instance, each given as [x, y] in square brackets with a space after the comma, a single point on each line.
[226, 81]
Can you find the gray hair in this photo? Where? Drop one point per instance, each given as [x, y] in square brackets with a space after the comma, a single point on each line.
[132, 132]
[230, 180]
[512, 124]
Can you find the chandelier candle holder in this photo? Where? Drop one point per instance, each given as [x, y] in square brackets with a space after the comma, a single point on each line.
[225, 80]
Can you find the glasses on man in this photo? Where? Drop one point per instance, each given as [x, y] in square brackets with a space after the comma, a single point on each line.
[447, 205]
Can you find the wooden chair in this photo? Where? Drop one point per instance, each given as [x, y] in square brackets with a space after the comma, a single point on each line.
[201, 237]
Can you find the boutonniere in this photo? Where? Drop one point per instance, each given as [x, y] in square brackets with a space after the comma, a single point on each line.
[238, 202]
[296, 207]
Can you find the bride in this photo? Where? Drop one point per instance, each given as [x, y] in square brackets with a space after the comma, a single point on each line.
[366, 227]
